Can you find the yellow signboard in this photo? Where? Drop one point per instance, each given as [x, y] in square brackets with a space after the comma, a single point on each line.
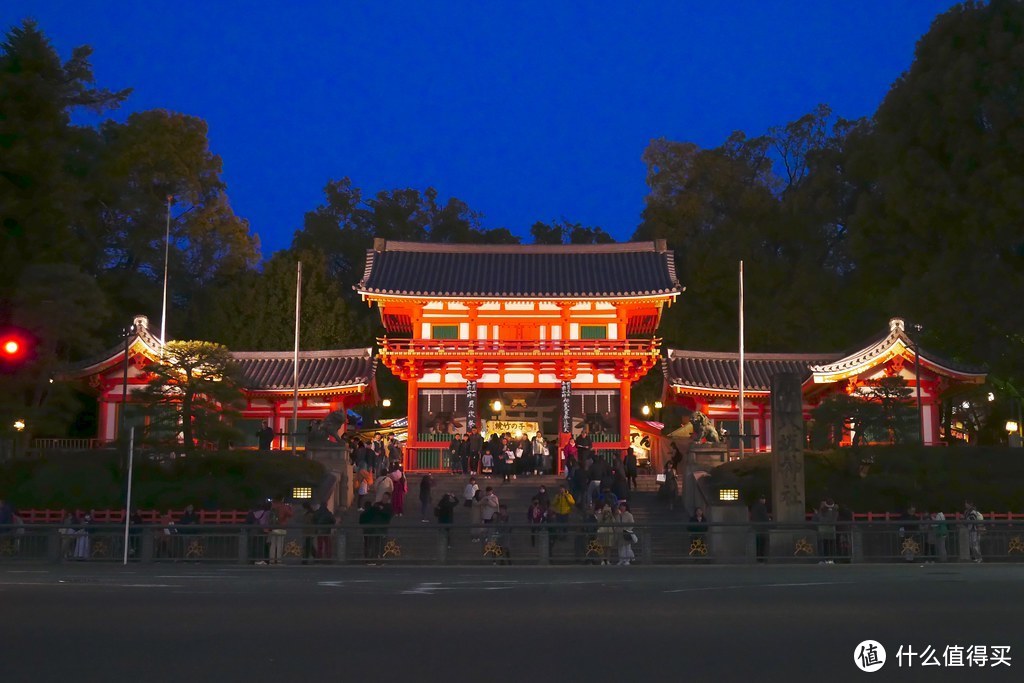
[514, 427]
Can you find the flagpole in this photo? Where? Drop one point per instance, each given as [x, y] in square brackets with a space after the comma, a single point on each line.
[742, 432]
[167, 254]
[295, 368]
[128, 503]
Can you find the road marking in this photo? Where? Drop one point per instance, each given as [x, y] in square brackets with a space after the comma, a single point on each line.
[193, 576]
[63, 583]
[341, 584]
[760, 585]
[425, 589]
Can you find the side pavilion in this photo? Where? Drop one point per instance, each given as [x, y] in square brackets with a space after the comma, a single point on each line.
[709, 382]
[328, 381]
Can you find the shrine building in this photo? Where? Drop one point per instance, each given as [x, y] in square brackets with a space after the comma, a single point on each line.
[328, 381]
[518, 338]
[709, 382]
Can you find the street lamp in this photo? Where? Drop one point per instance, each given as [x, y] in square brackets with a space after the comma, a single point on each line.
[19, 425]
[386, 403]
[646, 410]
[496, 406]
[1012, 435]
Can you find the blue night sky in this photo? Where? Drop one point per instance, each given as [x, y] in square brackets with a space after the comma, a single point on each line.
[527, 111]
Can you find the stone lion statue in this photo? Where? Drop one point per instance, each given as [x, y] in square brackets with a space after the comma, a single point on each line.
[703, 430]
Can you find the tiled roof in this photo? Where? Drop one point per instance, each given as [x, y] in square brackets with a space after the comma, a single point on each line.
[528, 271]
[897, 334]
[274, 370]
[720, 371]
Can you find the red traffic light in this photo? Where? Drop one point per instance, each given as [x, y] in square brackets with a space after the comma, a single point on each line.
[16, 349]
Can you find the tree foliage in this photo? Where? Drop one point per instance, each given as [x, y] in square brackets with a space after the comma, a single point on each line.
[564, 232]
[193, 395]
[257, 311]
[881, 413]
[939, 172]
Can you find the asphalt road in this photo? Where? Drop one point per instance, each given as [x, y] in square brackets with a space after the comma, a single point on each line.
[763, 623]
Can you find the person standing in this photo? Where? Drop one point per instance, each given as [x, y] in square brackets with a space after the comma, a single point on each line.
[489, 506]
[395, 452]
[426, 496]
[570, 457]
[974, 529]
[760, 517]
[669, 489]
[308, 533]
[324, 520]
[936, 531]
[469, 492]
[538, 449]
[584, 445]
[606, 518]
[379, 457]
[535, 518]
[475, 446]
[455, 450]
[401, 487]
[827, 516]
[698, 527]
[445, 512]
[908, 533]
[561, 506]
[265, 436]
[280, 514]
[627, 537]
[629, 463]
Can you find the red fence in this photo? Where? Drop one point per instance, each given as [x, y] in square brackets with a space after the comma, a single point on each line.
[117, 516]
[238, 516]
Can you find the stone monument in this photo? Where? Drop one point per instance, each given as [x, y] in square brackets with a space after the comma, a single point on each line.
[788, 499]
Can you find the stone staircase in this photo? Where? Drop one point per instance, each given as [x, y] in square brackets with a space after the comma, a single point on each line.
[417, 537]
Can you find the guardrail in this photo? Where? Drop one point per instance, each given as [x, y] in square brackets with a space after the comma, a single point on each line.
[569, 543]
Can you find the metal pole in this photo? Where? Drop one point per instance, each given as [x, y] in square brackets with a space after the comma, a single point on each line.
[167, 253]
[126, 333]
[128, 502]
[295, 368]
[742, 430]
[917, 380]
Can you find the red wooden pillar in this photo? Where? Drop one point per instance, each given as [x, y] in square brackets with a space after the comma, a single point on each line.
[413, 421]
[624, 410]
[760, 442]
[276, 409]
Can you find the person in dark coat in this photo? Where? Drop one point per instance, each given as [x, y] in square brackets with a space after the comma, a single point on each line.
[475, 446]
[584, 445]
[324, 520]
[760, 516]
[630, 465]
[426, 496]
[698, 526]
[265, 436]
[445, 512]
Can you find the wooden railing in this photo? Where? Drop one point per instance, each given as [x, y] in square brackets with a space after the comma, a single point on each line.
[554, 348]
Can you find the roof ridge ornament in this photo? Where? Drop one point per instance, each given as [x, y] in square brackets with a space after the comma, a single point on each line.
[897, 325]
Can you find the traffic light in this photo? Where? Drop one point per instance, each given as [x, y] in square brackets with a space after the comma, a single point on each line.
[17, 349]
